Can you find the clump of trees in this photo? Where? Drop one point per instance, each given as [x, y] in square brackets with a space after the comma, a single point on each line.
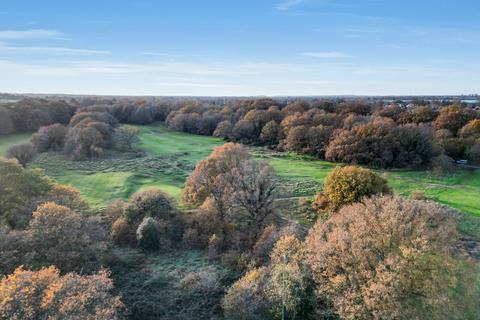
[46, 294]
[28, 115]
[236, 196]
[20, 191]
[45, 229]
[50, 138]
[149, 220]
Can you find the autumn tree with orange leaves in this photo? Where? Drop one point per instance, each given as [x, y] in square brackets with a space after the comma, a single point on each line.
[45, 294]
[390, 258]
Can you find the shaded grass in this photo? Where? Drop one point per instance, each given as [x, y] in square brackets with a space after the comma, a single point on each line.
[151, 284]
[11, 140]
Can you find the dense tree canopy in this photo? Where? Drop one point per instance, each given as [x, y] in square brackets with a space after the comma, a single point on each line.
[389, 258]
[45, 294]
[347, 185]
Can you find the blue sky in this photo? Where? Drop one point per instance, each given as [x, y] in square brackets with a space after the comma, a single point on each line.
[243, 47]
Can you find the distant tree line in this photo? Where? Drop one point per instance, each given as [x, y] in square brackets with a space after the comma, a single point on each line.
[356, 132]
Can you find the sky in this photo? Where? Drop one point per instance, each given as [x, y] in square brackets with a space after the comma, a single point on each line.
[240, 48]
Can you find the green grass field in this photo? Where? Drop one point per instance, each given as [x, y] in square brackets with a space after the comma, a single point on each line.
[13, 139]
[170, 156]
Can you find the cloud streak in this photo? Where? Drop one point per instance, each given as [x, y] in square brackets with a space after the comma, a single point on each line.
[288, 4]
[327, 55]
[5, 49]
[28, 34]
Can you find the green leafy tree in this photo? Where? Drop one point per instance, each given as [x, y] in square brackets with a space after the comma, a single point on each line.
[347, 185]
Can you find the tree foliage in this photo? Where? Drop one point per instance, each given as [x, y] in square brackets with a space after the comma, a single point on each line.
[24, 153]
[45, 294]
[389, 258]
[347, 185]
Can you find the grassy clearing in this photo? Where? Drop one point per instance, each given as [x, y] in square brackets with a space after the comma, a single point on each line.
[170, 157]
[13, 139]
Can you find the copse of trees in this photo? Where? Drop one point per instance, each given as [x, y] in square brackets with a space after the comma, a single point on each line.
[240, 189]
[50, 138]
[351, 132]
[20, 189]
[149, 220]
[356, 132]
[29, 115]
[42, 241]
[46, 294]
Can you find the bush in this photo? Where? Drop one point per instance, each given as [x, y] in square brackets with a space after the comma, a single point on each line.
[122, 233]
[149, 203]
[442, 164]
[24, 153]
[66, 196]
[347, 185]
[206, 280]
[148, 234]
[245, 300]
[50, 137]
[418, 195]
[124, 137]
[474, 153]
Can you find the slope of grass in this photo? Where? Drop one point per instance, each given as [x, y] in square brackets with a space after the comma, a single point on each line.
[168, 159]
[12, 139]
[171, 156]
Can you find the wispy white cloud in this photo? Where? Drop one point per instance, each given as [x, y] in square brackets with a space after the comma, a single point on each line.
[50, 50]
[327, 55]
[28, 34]
[288, 4]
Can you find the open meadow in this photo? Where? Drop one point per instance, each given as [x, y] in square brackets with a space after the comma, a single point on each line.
[167, 158]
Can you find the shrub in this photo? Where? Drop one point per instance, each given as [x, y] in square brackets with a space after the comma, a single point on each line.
[67, 196]
[24, 153]
[245, 299]
[50, 137]
[148, 234]
[122, 233]
[347, 185]
[442, 164]
[149, 203]
[124, 137]
[203, 281]
[418, 195]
